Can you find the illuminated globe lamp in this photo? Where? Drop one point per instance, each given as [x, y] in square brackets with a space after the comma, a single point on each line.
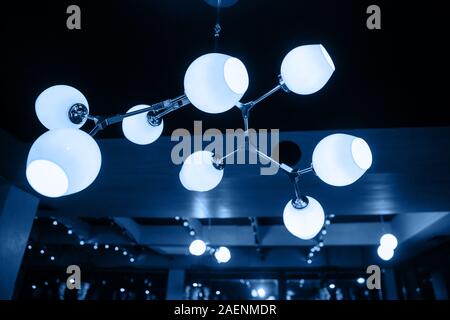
[61, 107]
[62, 162]
[341, 159]
[388, 244]
[215, 82]
[389, 240]
[222, 255]
[142, 128]
[200, 172]
[385, 253]
[304, 217]
[306, 69]
[197, 247]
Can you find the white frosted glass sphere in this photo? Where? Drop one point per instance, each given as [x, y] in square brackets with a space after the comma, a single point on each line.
[215, 82]
[198, 172]
[197, 247]
[52, 107]
[63, 162]
[306, 69]
[222, 255]
[304, 223]
[388, 240]
[138, 130]
[341, 159]
[385, 253]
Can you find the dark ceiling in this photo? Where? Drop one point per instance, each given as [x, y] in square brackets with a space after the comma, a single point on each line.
[132, 52]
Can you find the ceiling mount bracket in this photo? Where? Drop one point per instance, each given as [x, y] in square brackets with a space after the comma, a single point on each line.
[78, 113]
[221, 3]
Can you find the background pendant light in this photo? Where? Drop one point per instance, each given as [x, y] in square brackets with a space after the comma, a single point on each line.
[222, 255]
[215, 82]
[62, 162]
[54, 105]
[197, 247]
[304, 223]
[199, 173]
[138, 129]
[389, 241]
[385, 253]
[341, 159]
[306, 69]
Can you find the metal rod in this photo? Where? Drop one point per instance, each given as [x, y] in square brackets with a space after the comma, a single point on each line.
[297, 188]
[228, 155]
[165, 112]
[93, 118]
[217, 27]
[265, 156]
[281, 166]
[306, 170]
[174, 104]
[245, 116]
[166, 105]
[245, 109]
[266, 95]
[300, 201]
[155, 108]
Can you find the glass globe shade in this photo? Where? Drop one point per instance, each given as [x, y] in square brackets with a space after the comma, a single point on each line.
[198, 172]
[197, 247]
[341, 159]
[138, 130]
[222, 255]
[261, 292]
[306, 69]
[63, 162]
[215, 82]
[304, 223]
[388, 240]
[52, 107]
[385, 253]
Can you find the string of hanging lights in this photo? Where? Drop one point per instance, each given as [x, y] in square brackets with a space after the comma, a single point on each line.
[198, 247]
[320, 240]
[45, 251]
[388, 244]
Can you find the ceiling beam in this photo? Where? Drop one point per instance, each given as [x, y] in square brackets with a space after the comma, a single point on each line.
[339, 234]
[130, 227]
[407, 226]
[390, 186]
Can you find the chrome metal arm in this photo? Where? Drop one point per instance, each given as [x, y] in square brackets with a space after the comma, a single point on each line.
[163, 108]
[249, 105]
[282, 166]
[299, 201]
[245, 109]
[222, 160]
[267, 157]
[174, 104]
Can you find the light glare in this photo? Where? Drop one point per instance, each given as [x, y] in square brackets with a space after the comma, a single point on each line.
[197, 247]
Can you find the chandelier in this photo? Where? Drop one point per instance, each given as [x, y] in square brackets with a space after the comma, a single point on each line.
[66, 160]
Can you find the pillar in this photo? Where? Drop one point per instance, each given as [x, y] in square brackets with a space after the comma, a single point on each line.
[17, 212]
[439, 286]
[175, 285]
[389, 284]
